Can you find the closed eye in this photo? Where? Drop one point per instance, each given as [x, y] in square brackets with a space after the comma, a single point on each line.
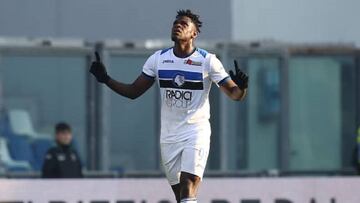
[183, 23]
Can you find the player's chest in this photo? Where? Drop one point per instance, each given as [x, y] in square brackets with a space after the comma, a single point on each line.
[181, 73]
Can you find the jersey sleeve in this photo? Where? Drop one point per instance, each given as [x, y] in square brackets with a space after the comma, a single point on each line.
[149, 66]
[217, 71]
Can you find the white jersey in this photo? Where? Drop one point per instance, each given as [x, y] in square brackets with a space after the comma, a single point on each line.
[184, 86]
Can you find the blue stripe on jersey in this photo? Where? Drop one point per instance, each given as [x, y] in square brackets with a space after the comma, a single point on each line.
[221, 82]
[169, 74]
[165, 50]
[202, 52]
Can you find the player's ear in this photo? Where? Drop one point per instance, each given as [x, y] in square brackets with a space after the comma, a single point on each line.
[195, 34]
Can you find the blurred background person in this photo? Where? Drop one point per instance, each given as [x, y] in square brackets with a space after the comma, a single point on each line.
[62, 161]
[356, 153]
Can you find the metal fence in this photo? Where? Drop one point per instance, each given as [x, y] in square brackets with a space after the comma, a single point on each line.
[300, 116]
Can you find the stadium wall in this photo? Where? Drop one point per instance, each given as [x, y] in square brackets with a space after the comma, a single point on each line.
[301, 21]
[109, 18]
[296, 21]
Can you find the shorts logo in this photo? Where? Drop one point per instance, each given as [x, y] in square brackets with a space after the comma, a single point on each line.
[192, 63]
[179, 80]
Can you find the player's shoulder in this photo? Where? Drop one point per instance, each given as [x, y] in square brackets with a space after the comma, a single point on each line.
[204, 53]
[161, 51]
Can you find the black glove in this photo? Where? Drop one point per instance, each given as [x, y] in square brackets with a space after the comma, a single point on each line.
[98, 70]
[239, 77]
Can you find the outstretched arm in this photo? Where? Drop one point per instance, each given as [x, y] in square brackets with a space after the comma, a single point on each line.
[236, 88]
[132, 91]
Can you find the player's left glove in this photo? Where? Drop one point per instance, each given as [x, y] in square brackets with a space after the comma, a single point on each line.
[239, 77]
[98, 69]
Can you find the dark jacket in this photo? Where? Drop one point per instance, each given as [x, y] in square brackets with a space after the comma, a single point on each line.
[355, 159]
[62, 162]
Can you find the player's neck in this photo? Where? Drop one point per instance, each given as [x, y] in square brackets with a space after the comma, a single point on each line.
[183, 50]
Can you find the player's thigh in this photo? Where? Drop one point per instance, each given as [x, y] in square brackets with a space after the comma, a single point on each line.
[171, 161]
[194, 159]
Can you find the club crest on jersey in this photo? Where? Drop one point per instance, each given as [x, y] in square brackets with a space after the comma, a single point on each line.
[168, 61]
[179, 80]
[192, 63]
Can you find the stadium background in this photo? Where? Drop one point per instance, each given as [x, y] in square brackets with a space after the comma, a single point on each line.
[300, 117]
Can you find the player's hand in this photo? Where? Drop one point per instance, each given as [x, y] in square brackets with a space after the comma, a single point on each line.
[98, 69]
[239, 77]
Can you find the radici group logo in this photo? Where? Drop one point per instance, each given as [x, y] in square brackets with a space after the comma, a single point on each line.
[178, 98]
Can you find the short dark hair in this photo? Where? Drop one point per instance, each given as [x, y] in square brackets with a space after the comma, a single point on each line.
[194, 18]
[61, 127]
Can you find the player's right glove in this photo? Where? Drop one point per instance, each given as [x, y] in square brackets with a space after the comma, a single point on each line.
[239, 77]
[98, 69]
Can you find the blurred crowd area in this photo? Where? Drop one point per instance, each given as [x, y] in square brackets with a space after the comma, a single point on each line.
[300, 117]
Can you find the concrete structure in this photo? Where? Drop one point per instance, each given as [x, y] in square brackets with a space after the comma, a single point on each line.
[292, 21]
